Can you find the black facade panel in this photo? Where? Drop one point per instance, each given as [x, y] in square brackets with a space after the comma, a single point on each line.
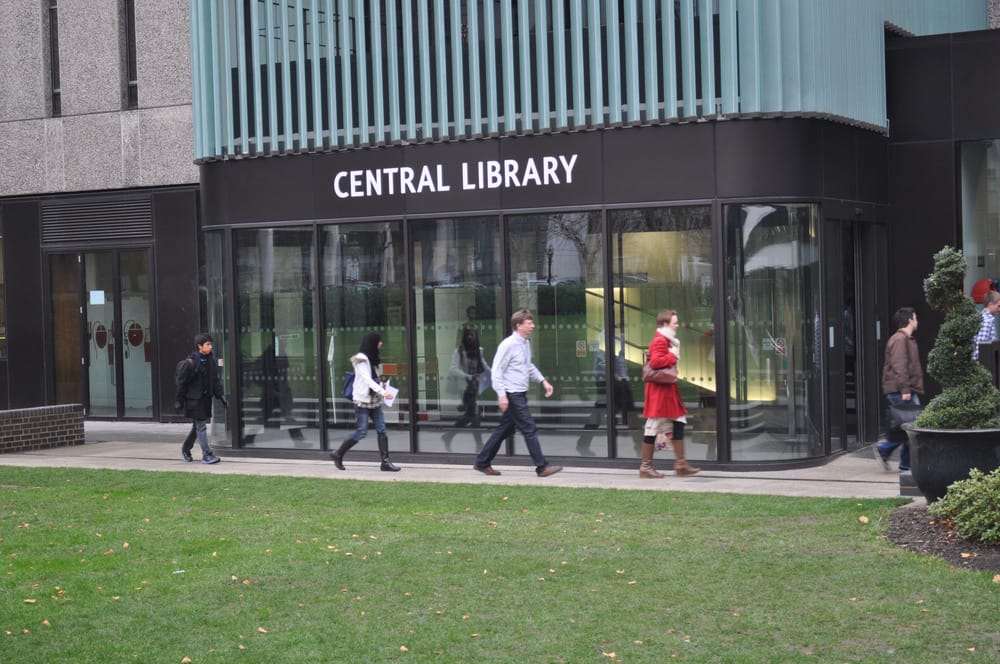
[262, 190]
[214, 193]
[769, 158]
[872, 167]
[921, 221]
[976, 70]
[175, 232]
[660, 163]
[27, 365]
[919, 88]
[840, 162]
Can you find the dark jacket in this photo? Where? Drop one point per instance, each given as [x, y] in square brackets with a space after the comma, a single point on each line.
[200, 383]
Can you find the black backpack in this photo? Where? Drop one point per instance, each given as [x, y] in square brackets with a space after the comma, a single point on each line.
[181, 372]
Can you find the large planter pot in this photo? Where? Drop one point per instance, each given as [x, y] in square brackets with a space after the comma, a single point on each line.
[939, 457]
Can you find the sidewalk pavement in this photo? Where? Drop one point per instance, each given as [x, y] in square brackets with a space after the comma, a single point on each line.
[156, 447]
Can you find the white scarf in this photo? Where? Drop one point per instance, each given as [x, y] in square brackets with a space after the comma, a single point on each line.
[671, 335]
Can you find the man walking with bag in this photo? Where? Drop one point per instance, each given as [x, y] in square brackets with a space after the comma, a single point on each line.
[902, 382]
[197, 380]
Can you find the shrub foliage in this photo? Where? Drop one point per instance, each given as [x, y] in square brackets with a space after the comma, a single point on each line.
[968, 398]
[973, 506]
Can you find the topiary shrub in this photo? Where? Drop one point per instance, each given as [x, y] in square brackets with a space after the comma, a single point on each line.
[968, 398]
[973, 507]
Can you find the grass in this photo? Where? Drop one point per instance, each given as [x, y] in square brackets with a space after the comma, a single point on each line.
[112, 566]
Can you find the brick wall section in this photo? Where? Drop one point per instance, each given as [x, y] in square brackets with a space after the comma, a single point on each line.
[26, 429]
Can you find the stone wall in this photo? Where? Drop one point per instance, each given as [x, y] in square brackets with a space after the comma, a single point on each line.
[26, 429]
[96, 143]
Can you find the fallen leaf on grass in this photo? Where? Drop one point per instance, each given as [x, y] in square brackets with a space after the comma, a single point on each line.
[996, 579]
[186, 660]
[261, 630]
[403, 649]
[863, 519]
[30, 601]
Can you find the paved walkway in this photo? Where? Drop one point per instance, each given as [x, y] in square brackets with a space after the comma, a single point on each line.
[155, 447]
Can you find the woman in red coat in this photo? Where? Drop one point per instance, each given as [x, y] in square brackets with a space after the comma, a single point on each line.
[663, 404]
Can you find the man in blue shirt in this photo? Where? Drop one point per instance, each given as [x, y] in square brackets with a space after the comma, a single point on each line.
[513, 372]
[987, 329]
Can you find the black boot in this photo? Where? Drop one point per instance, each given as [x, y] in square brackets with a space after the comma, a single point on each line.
[383, 450]
[338, 454]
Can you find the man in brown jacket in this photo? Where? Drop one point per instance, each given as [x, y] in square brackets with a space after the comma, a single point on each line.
[902, 380]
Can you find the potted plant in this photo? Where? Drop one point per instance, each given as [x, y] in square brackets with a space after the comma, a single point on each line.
[960, 428]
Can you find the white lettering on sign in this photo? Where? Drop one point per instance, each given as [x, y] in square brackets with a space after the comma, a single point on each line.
[485, 174]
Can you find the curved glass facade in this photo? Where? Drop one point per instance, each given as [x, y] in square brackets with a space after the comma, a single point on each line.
[595, 280]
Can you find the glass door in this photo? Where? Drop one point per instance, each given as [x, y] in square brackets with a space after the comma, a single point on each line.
[774, 330]
[103, 343]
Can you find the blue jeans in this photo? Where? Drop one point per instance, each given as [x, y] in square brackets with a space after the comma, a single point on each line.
[885, 448]
[199, 430]
[517, 415]
[362, 415]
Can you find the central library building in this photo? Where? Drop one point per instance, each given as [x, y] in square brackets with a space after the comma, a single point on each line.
[423, 171]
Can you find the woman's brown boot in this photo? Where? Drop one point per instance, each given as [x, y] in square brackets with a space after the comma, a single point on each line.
[681, 466]
[646, 469]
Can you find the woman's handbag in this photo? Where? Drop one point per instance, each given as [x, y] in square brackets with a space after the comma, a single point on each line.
[664, 376]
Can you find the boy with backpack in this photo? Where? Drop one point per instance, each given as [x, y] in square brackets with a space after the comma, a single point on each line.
[197, 380]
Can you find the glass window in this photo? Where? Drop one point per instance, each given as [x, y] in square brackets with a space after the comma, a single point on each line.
[275, 289]
[55, 93]
[557, 272]
[774, 331]
[456, 293]
[131, 66]
[662, 260]
[364, 269]
[214, 303]
[981, 210]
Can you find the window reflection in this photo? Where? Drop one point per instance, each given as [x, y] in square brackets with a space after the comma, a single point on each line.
[275, 287]
[456, 296]
[557, 271]
[981, 210]
[662, 259]
[363, 268]
[774, 328]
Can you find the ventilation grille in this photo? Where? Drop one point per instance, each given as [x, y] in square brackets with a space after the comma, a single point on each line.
[98, 221]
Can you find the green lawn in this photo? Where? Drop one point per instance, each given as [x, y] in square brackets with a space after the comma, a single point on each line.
[111, 566]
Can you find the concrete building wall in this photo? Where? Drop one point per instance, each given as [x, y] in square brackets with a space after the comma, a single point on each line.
[22, 61]
[993, 13]
[94, 144]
